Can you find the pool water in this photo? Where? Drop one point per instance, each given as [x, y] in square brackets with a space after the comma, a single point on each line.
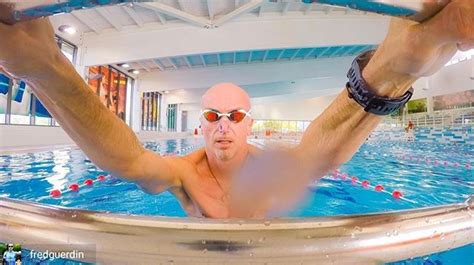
[426, 175]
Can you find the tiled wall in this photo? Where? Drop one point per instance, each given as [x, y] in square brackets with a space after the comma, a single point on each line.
[461, 134]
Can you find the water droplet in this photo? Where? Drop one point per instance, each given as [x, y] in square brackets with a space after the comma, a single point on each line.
[267, 223]
[204, 251]
[203, 242]
[388, 234]
[442, 236]
[250, 241]
[327, 256]
[262, 239]
[353, 235]
[308, 236]
[358, 229]
[427, 220]
[251, 254]
[395, 232]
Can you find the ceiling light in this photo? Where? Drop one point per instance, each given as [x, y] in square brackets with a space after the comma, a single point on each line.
[166, 92]
[135, 72]
[67, 29]
[124, 65]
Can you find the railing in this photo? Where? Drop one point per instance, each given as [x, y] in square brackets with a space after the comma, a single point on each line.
[120, 239]
[281, 129]
[450, 118]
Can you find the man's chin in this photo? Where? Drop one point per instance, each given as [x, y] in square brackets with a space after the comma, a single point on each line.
[225, 154]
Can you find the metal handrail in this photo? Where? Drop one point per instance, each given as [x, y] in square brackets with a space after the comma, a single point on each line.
[122, 239]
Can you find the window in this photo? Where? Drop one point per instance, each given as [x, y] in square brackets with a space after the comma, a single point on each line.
[279, 127]
[172, 109]
[4, 87]
[112, 87]
[150, 111]
[20, 112]
[18, 104]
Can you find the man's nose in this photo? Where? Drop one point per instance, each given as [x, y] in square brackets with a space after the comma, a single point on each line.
[224, 124]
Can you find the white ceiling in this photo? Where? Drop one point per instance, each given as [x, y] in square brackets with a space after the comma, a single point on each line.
[170, 36]
[201, 13]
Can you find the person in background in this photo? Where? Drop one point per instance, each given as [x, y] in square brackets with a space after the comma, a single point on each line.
[10, 256]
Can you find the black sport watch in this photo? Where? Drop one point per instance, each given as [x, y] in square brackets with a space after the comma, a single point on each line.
[359, 90]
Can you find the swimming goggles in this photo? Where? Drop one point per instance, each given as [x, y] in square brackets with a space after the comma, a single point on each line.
[234, 116]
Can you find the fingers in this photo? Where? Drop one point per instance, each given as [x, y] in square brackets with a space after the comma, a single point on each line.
[453, 24]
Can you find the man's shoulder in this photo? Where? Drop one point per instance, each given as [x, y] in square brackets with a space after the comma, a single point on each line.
[195, 157]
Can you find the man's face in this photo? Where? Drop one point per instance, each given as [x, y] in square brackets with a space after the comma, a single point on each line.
[225, 138]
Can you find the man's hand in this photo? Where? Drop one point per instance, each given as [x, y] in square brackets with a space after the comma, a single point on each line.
[27, 49]
[412, 50]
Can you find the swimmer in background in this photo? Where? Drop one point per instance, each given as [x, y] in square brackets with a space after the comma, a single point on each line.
[409, 131]
[228, 177]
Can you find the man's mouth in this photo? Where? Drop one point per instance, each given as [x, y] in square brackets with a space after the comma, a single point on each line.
[224, 141]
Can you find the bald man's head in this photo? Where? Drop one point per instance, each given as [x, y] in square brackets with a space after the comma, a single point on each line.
[226, 139]
[225, 95]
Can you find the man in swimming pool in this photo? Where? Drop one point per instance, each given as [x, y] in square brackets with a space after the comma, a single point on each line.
[208, 182]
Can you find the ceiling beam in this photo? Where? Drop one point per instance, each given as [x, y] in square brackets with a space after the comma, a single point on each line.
[171, 11]
[105, 13]
[161, 17]
[79, 15]
[237, 12]
[260, 11]
[172, 63]
[133, 15]
[202, 59]
[157, 64]
[142, 64]
[265, 56]
[280, 54]
[187, 61]
[309, 53]
[250, 57]
[210, 10]
[324, 51]
[338, 50]
[294, 55]
[349, 51]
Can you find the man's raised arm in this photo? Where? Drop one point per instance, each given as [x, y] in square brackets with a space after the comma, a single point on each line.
[28, 52]
[409, 51]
